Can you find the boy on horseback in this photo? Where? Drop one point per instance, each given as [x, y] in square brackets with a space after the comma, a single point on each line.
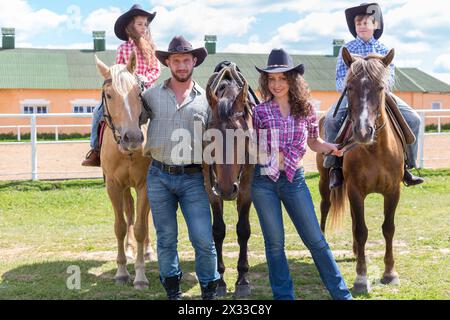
[133, 28]
[365, 22]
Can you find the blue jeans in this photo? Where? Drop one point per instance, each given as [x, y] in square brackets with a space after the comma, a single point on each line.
[332, 126]
[96, 117]
[267, 196]
[165, 191]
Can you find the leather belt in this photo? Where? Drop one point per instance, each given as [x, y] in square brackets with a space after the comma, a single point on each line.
[173, 169]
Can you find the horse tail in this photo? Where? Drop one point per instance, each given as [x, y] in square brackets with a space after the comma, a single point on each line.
[338, 207]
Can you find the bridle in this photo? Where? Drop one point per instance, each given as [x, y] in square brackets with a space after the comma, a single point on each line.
[107, 115]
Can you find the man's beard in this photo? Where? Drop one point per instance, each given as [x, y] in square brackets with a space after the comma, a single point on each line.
[184, 79]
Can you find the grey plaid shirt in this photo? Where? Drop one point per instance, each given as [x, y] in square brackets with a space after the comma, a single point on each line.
[165, 142]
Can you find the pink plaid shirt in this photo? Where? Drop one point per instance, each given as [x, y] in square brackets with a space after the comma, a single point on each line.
[150, 73]
[289, 135]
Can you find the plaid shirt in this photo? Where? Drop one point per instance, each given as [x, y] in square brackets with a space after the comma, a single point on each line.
[287, 135]
[359, 47]
[150, 73]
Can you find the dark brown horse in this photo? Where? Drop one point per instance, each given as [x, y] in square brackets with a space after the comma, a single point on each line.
[229, 176]
[375, 165]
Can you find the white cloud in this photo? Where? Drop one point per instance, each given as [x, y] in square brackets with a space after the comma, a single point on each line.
[28, 22]
[102, 20]
[442, 63]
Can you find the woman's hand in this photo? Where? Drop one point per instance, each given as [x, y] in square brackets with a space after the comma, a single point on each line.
[333, 150]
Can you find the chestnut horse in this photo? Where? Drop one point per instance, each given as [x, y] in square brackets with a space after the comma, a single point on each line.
[125, 167]
[228, 178]
[375, 165]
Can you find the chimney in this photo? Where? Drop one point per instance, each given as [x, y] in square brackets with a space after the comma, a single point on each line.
[210, 43]
[337, 45]
[8, 38]
[99, 40]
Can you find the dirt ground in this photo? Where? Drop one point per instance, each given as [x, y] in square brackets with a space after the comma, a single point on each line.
[63, 161]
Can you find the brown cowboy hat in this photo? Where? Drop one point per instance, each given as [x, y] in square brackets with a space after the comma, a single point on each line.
[124, 19]
[365, 9]
[280, 61]
[180, 45]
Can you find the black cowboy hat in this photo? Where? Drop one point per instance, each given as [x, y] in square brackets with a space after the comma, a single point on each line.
[280, 61]
[365, 9]
[124, 19]
[180, 45]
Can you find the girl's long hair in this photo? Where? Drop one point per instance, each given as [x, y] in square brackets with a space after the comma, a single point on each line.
[145, 44]
[299, 93]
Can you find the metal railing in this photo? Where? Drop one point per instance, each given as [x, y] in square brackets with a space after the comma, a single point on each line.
[34, 142]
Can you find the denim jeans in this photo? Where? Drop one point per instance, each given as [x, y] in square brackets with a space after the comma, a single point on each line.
[96, 117]
[267, 197]
[332, 126]
[165, 192]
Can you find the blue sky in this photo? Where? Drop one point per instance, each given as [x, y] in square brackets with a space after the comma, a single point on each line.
[418, 32]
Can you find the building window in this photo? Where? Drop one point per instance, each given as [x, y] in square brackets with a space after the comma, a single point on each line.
[35, 106]
[83, 105]
[83, 109]
[436, 105]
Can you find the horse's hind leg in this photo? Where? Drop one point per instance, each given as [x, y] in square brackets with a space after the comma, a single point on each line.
[130, 242]
[390, 204]
[325, 202]
[243, 232]
[361, 284]
[219, 230]
[116, 195]
[141, 233]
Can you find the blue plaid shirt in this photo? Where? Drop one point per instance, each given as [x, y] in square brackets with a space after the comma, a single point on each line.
[359, 47]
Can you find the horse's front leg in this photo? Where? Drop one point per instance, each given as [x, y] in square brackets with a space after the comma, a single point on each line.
[116, 195]
[243, 232]
[360, 233]
[390, 205]
[130, 241]
[219, 230]
[141, 233]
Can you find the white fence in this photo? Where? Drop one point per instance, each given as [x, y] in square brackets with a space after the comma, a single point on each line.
[424, 114]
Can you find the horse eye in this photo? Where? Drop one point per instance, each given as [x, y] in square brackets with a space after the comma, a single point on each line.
[108, 96]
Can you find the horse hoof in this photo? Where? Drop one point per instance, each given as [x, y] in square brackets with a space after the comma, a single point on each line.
[221, 291]
[242, 291]
[361, 288]
[391, 279]
[123, 280]
[141, 285]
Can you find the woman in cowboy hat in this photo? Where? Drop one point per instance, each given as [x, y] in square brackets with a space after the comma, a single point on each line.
[290, 121]
[133, 28]
[365, 23]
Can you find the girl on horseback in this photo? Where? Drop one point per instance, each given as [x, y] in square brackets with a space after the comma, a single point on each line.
[133, 28]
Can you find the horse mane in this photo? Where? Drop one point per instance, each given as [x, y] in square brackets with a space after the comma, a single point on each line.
[372, 67]
[122, 80]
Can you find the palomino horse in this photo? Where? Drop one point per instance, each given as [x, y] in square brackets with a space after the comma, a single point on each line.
[125, 167]
[227, 180]
[375, 165]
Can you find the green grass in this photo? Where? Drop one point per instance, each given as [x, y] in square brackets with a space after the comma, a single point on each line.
[45, 227]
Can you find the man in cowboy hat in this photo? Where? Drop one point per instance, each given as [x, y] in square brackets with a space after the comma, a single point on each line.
[365, 23]
[176, 105]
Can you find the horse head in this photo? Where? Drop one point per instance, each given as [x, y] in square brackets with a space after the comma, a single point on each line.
[227, 92]
[122, 103]
[367, 81]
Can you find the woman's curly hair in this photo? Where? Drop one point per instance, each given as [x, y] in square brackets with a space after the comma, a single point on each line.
[145, 43]
[299, 93]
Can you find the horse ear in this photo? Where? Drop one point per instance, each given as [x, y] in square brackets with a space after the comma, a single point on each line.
[212, 98]
[242, 97]
[131, 65]
[388, 58]
[347, 57]
[102, 68]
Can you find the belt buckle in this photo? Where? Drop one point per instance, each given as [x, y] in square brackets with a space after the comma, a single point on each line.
[171, 169]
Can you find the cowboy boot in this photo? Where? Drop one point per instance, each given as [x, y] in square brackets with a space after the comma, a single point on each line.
[411, 180]
[92, 158]
[209, 291]
[336, 177]
[172, 286]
